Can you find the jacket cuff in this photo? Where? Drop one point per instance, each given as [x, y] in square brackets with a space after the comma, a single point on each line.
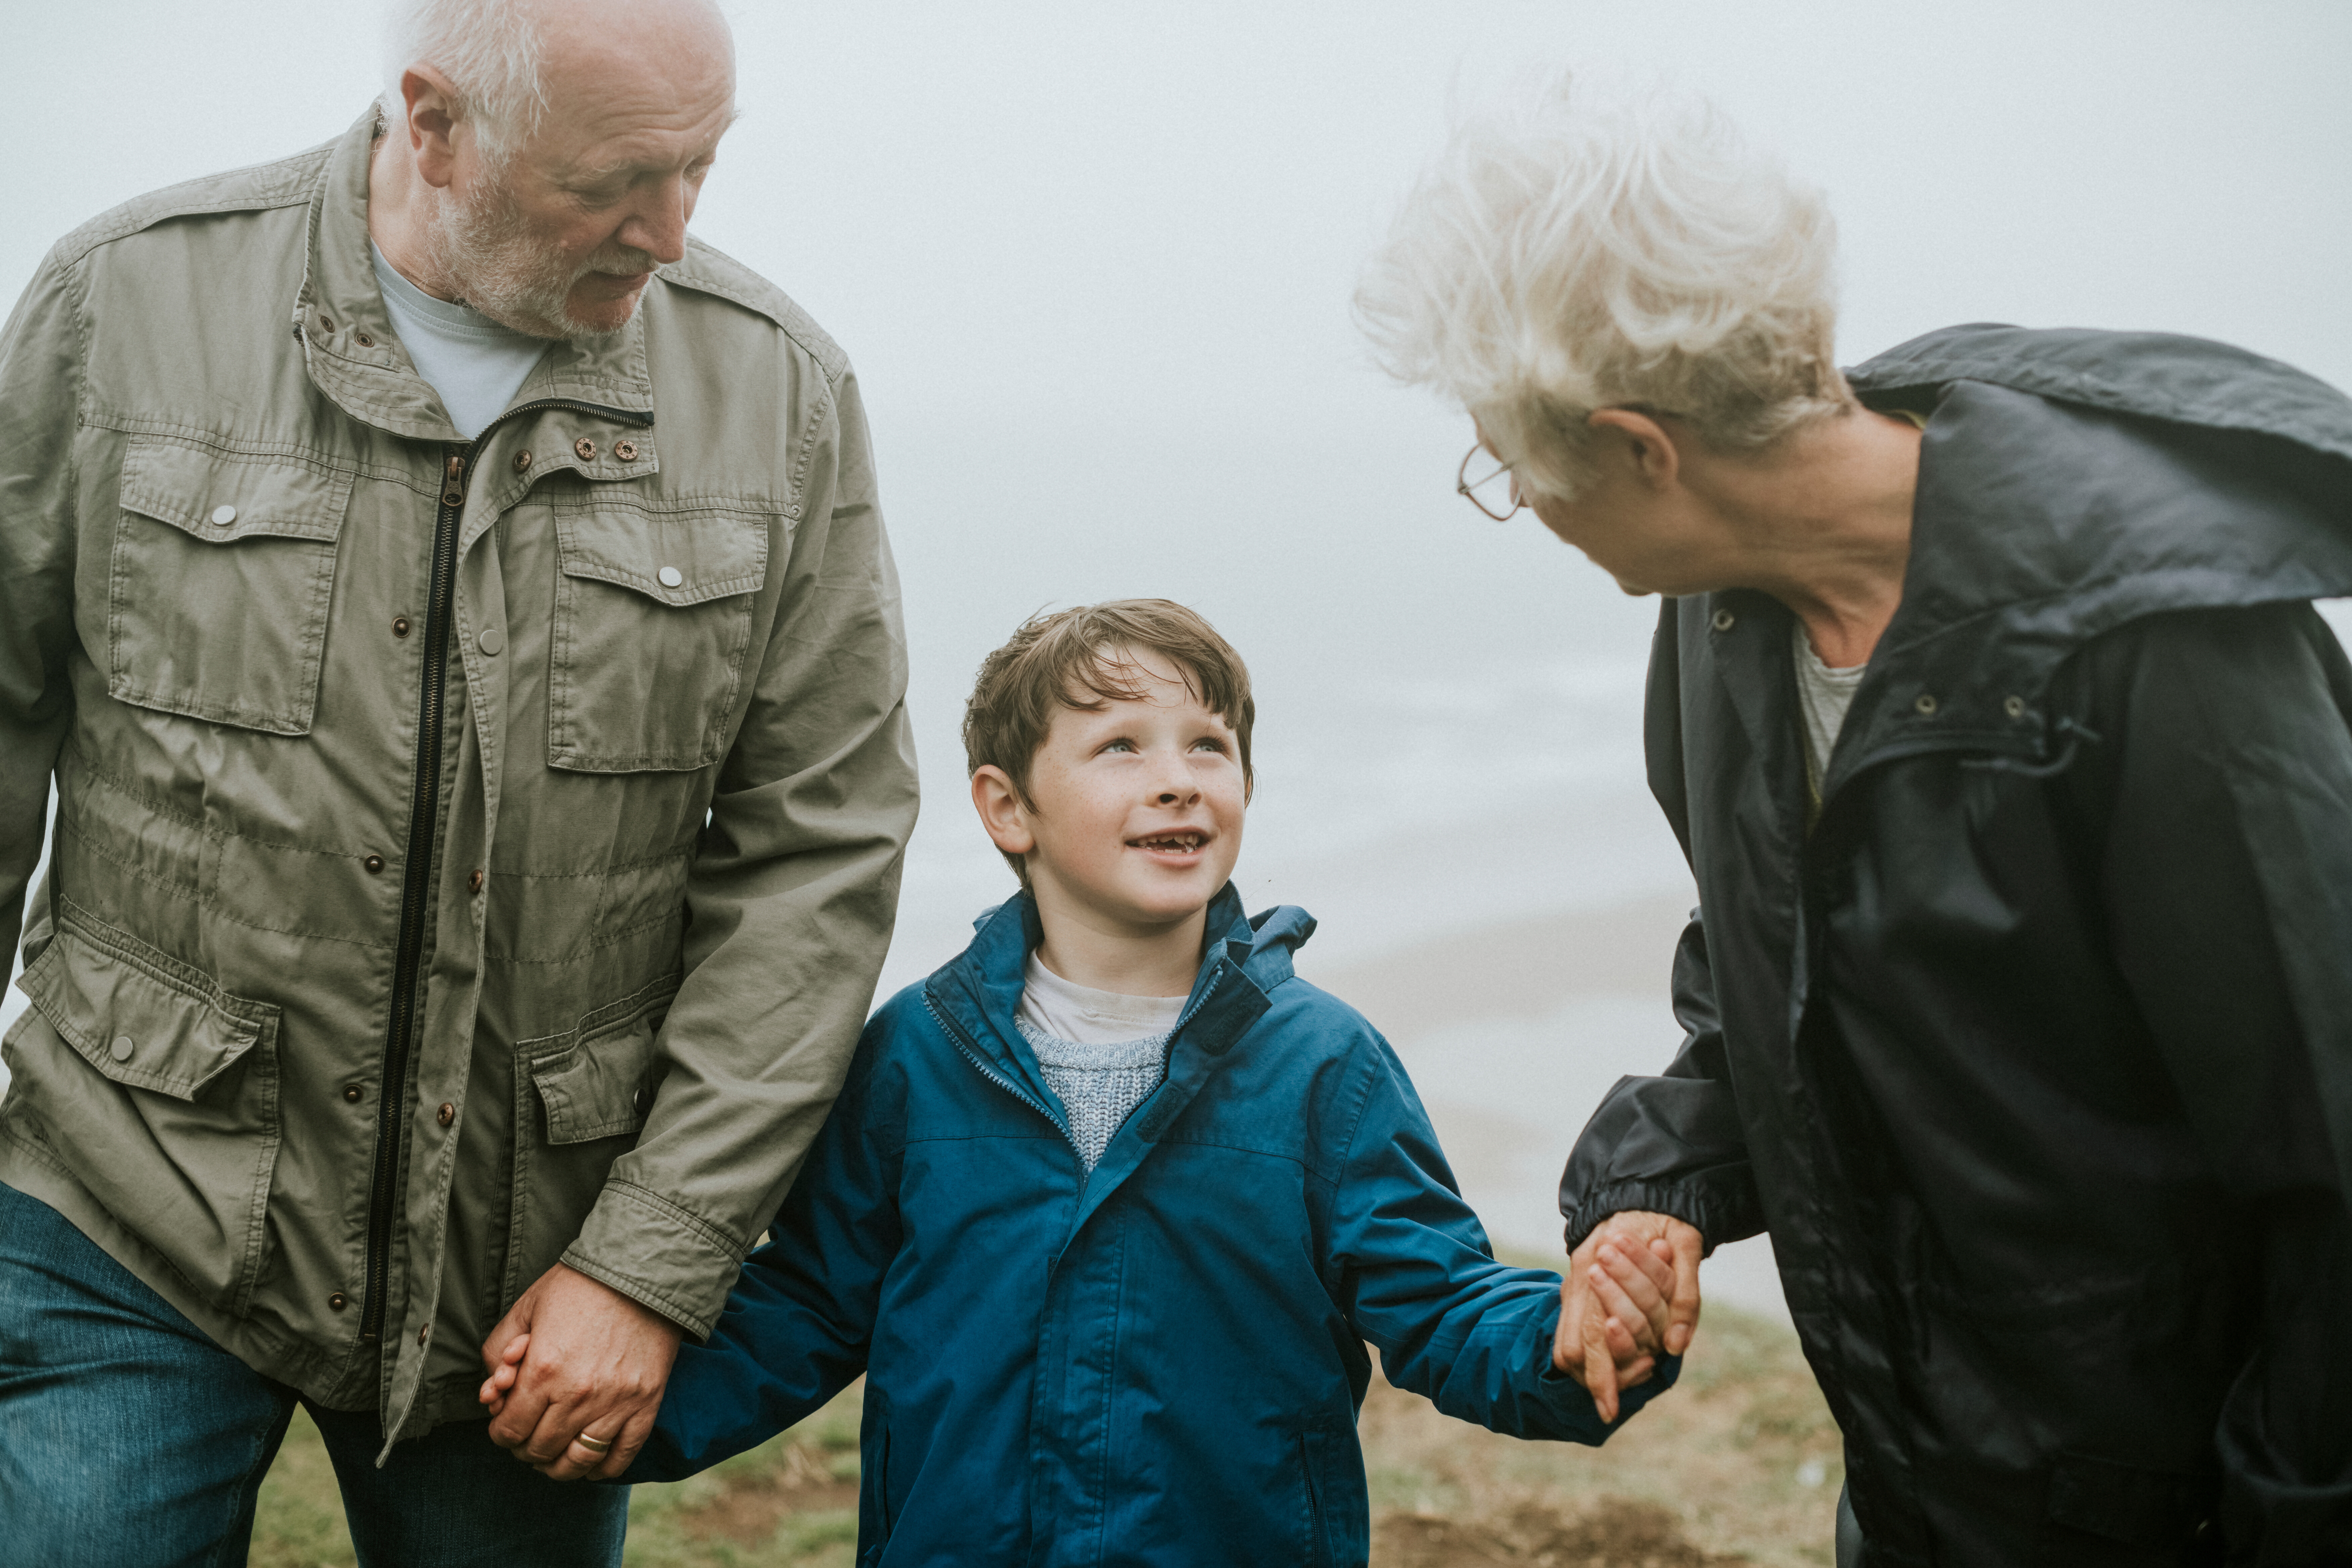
[657, 1255]
[1715, 1220]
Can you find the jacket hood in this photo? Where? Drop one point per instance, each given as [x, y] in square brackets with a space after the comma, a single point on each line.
[2071, 481]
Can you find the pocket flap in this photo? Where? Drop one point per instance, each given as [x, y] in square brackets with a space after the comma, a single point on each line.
[223, 497]
[677, 558]
[589, 1077]
[137, 1015]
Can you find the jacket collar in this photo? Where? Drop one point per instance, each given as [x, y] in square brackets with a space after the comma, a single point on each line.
[2070, 483]
[979, 991]
[375, 381]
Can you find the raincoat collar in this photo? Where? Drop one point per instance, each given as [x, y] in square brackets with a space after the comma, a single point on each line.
[2071, 481]
[978, 995]
[354, 356]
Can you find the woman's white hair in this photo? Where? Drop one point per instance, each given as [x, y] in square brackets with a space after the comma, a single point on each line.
[1564, 255]
[490, 50]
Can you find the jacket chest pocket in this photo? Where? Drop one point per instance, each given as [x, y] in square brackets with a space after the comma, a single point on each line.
[652, 620]
[220, 584]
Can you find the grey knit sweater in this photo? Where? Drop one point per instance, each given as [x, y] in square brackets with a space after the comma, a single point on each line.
[1098, 1085]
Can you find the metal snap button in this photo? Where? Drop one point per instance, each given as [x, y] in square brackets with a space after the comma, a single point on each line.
[474, 881]
[446, 1115]
[522, 462]
[1725, 620]
[122, 1047]
[625, 450]
[400, 626]
[492, 640]
[326, 324]
[365, 341]
[670, 576]
[1926, 704]
[586, 448]
[352, 1094]
[2013, 706]
[375, 863]
[421, 1335]
[223, 516]
[338, 1301]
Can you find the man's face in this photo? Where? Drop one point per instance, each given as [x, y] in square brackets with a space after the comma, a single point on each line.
[1137, 806]
[559, 238]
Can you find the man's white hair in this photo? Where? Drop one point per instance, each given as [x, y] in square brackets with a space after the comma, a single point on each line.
[490, 50]
[1564, 255]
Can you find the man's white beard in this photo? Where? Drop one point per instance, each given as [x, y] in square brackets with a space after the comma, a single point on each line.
[481, 246]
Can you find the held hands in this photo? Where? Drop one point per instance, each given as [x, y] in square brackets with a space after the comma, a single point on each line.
[575, 1359]
[1631, 1292]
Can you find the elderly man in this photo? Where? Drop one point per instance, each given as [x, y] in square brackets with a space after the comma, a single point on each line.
[2015, 771]
[453, 606]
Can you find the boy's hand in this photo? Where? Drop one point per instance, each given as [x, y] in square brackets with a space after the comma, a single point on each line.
[504, 1371]
[1635, 1279]
[586, 1362]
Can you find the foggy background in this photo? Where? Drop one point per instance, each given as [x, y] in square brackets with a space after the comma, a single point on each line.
[1093, 264]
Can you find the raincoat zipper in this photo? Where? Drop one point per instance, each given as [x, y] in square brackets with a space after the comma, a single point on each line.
[416, 873]
[972, 1052]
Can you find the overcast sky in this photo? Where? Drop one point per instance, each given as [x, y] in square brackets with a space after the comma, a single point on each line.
[1093, 260]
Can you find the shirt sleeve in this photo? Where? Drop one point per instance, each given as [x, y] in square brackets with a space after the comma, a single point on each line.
[798, 1325]
[40, 380]
[792, 896]
[1471, 1334]
[1672, 1145]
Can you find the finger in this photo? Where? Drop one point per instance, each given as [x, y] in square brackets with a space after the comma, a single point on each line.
[1600, 1378]
[517, 1426]
[1682, 1315]
[1622, 1346]
[1636, 1373]
[1625, 1290]
[1656, 1262]
[1567, 1339]
[633, 1434]
[511, 1336]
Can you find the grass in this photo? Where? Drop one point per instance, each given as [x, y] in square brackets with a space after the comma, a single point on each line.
[1738, 1465]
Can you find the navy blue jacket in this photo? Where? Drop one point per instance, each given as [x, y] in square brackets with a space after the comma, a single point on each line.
[1158, 1364]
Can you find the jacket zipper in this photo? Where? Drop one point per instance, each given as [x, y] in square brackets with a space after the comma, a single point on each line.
[416, 893]
[417, 875]
[972, 1054]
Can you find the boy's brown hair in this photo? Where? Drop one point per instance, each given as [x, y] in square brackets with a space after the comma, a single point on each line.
[1073, 659]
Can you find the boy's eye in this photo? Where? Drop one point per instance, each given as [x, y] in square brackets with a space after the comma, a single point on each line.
[1119, 746]
[1208, 743]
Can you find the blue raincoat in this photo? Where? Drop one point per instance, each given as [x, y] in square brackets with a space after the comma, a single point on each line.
[1158, 1364]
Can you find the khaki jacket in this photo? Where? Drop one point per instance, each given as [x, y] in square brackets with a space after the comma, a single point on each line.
[468, 855]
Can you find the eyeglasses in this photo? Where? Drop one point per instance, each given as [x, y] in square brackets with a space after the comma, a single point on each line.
[1495, 493]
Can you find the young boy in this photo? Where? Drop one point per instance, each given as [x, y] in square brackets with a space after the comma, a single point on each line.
[1108, 1207]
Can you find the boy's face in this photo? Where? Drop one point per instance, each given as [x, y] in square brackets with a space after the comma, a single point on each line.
[1136, 818]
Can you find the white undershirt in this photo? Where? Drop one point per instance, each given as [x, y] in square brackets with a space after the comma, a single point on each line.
[475, 365]
[1825, 693]
[1085, 1016]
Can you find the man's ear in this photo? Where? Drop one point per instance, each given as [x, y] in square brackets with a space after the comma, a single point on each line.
[1002, 810]
[432, 123]
[1642, 441]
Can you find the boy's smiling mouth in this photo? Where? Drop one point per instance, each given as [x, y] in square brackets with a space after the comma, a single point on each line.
[1178, 841]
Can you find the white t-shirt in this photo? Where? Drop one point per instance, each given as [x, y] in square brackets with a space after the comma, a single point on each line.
[1085, 1016]
[1825, 694]
[475, 365]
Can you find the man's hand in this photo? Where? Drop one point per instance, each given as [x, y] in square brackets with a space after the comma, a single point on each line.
[574, 1358]
[1637, 1274]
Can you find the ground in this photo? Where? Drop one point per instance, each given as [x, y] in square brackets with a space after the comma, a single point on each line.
[1737, 1466]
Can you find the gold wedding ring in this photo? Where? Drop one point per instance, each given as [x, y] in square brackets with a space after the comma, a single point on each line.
[594, 1445]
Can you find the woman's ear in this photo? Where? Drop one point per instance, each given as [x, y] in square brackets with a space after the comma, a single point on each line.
[1001, 811]
[1641, 441]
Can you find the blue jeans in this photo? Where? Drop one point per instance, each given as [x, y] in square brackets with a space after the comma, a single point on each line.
[128, 1437]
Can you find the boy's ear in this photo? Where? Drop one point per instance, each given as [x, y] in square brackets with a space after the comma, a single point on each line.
[1001, 810]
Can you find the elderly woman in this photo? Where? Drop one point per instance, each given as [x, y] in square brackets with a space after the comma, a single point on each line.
[2015, 771]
